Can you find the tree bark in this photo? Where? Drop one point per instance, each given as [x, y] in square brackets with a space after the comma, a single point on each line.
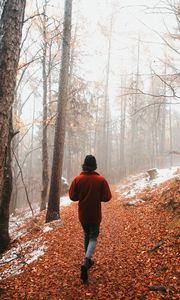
[6, 195]
[58, 153]
[134, 129]
[10, 37]
[122, 167]
[106, 106]
[45, 175]
[14, 166]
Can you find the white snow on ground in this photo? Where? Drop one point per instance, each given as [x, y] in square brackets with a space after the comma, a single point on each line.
[13, 270]
[47, 228]
[138, 183]
[16, 221]
[65, 201]
[21, 255]
[35, 254]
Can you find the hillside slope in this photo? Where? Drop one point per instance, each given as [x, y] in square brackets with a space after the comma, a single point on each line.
[136, 256]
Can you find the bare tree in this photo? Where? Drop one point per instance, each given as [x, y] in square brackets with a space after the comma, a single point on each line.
[106, 111]
[10, 37]
[122, 166]
[54, 194]
[45, 175]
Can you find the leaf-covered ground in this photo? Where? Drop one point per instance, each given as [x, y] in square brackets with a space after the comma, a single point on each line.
[137, 251]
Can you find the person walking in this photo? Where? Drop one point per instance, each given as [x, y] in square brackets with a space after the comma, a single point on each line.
[90, 189]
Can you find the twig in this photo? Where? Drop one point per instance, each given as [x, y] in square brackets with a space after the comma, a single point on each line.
[25, 65]
[32, 17]
[161, 242]
[22, 137]
[23, 182]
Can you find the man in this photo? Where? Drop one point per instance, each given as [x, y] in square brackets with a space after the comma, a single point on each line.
[90, 189]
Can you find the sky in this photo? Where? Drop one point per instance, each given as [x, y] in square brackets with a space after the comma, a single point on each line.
[131, 20]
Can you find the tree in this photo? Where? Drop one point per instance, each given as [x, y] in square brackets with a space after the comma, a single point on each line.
[106, 110]
[50, 36]
[58, 153]
[123, 100]
[10, 37]
[45, 175]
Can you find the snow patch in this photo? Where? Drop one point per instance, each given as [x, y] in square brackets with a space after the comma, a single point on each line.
[21, 255]
[13, 270]
[47, 228]
[16, 221]
[136, 185]
[15, 260]
[65, 201]
[35, 254]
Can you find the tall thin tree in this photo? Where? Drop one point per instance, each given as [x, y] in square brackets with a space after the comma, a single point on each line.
[106, 103]
[45, 175]
[58, 153]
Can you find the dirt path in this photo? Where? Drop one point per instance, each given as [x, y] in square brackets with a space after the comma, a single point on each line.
[124, 267]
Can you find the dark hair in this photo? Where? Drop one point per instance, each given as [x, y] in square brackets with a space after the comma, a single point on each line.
[89, 164]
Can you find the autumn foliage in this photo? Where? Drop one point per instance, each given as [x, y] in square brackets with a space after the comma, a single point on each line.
[136, 257]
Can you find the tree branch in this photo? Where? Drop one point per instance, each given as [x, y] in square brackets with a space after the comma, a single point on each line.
[32, 17]
[22, 177]
[140, 92]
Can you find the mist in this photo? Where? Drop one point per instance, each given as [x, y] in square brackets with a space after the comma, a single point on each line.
[123, 91]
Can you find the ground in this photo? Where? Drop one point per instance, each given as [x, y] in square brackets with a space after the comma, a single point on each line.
[137, 251]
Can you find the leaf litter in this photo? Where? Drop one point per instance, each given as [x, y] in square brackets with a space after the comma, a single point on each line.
[125, 267]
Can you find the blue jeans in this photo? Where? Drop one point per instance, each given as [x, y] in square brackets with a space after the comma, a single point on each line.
[91, 232]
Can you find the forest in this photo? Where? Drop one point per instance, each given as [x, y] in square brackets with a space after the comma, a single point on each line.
[101, 78]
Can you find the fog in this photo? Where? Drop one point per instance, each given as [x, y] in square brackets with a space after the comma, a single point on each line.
[123, 102]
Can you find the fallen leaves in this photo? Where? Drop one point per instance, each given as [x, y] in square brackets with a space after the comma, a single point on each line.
[125, 268]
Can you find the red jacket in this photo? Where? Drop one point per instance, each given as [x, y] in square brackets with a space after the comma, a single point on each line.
[90, 189]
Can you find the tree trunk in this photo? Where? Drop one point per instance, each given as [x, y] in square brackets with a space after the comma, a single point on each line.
[106, 106]
[69, 131]
[69, 141]
[162, 137]
[134, 128]
[170, 136]
[6, 194]
[30, 168]
[10, 37]
[58, 153]
[45, 175]
[122, 168]
[15, 166]
[153, 130]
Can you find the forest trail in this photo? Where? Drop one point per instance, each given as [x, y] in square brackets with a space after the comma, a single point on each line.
[125, 268]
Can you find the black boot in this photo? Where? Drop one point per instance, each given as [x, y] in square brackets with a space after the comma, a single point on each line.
[88, 263]
[84, 273]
